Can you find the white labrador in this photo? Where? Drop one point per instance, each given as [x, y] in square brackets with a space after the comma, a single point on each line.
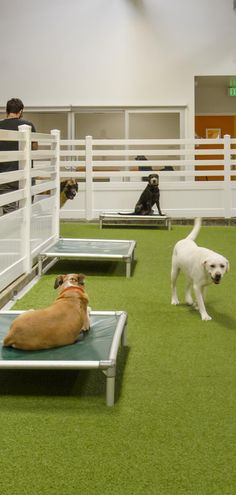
[201, 267]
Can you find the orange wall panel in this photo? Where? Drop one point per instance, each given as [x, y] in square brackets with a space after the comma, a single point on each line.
[227, 125]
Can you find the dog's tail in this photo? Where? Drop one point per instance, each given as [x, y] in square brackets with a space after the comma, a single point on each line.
[196, 228]
[128, 213]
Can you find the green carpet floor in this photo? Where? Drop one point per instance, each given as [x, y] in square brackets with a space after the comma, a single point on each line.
[172, 430]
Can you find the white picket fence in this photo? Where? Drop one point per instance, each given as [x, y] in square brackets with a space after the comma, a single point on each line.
[109, 181]
[27, 230]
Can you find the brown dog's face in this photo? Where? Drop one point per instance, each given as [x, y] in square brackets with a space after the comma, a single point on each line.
[153, 179]
[70, 188]
[73, 279]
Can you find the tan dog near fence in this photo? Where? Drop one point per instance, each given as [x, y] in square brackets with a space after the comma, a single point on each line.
[68, 190]
[57, 325]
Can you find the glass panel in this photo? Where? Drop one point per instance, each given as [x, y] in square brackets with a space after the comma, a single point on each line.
[42, 222]
[104, 125]
[45, 121]
[12, 247]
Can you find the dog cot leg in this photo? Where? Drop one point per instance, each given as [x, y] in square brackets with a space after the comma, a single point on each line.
[128, 268]
[110, 391]
[40, 263]
[110, 374]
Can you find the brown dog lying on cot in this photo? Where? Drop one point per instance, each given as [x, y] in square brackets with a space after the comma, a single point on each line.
[58, 325]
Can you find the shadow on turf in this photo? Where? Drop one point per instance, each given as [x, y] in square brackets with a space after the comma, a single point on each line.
[66, 383]
[221, 318]
[104, 268]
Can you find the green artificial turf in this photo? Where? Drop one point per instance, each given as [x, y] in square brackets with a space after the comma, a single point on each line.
[172, 430]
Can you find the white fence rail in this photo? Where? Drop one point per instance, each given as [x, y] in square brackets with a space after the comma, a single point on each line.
[25, 231]
[202, 182]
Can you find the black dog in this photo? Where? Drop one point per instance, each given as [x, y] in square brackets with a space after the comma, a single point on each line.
[149, 197]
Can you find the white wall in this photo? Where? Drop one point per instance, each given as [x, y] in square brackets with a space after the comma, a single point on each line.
[113, 52]
[215, 100]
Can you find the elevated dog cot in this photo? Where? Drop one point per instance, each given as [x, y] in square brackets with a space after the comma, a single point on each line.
[90, 249]
[115, 219]
[97, 349]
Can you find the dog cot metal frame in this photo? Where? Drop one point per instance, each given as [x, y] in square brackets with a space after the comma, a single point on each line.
[90, 249]
[108, 330]
[111, 219]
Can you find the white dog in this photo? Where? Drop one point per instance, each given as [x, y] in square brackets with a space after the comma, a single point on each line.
[201, 267]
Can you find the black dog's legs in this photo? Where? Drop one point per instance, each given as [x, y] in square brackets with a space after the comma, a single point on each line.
[159, 209]
[143, 209]
[138, 209]
[149, 210]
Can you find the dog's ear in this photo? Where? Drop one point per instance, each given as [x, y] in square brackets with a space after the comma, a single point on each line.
[58, 281]
[227, 266]
[81, 278]
[62, 185]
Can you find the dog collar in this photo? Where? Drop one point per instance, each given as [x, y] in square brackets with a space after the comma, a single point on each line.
[75, 289]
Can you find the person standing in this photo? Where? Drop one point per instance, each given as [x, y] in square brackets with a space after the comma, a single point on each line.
[14, 112]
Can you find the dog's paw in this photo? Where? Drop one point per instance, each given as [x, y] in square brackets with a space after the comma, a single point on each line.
[174, 302]
[85, 330]
[189, 301]
[86, 327]
[206, 317]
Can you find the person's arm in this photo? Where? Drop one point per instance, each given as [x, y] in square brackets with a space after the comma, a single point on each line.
[34, 144]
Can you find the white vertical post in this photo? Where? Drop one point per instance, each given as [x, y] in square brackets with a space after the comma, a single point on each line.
[26, 165]
[72, 125]
[89, 178]
[55, 146]
[69, 125]
[126, 124]
[71, 130]
[227, 177]
[126, 179]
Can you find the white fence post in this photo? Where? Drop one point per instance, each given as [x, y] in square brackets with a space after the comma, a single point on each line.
[88, 178]
[227, 176]
[56, 162]
[26, 165]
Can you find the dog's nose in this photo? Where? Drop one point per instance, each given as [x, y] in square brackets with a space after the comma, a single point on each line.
[217, 277]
